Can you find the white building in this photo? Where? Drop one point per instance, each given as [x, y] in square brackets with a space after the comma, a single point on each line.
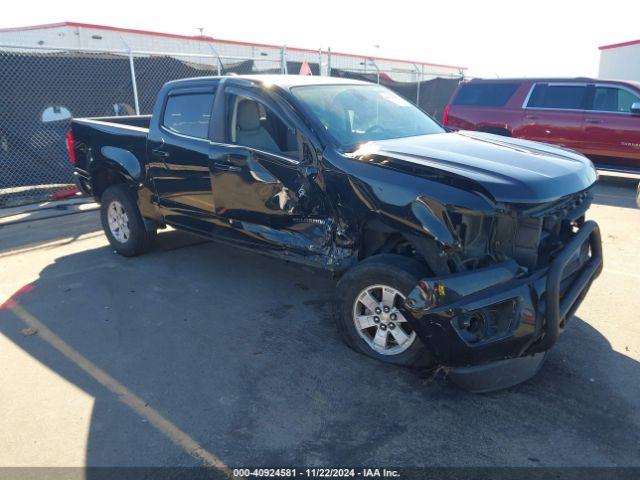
[81, 36]
[620, 61]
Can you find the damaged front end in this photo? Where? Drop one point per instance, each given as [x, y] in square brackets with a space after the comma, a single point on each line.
[515, 277]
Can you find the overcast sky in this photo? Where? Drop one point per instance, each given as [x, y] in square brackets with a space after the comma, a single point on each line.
[490, 37]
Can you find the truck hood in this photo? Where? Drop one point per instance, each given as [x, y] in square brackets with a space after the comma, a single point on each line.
[510, 170]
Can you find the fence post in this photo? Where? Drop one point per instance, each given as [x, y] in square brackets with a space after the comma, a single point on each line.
[418, 81]
[215, 52]
[132, 67]
[329, 61]
[283, 60]
[375, 65]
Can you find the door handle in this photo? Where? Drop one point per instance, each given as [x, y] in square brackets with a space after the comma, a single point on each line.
[226, 167]
[160, 153]
[531, 117]
[592, 121]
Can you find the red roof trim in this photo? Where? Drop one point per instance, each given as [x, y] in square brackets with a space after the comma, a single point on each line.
[35, 27]
[211, 39]
[618, 45]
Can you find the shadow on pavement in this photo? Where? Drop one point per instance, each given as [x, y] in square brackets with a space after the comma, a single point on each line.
[29, 232]
[240, 353]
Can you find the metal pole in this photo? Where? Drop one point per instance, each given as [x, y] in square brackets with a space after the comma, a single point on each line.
[215, 52]
[329, 61]
[133, 82]
[418, 80]
[319, 61]
[375, 65]
[283, 60]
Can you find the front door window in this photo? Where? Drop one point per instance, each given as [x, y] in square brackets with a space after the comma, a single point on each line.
[613, 99]
[255, 125]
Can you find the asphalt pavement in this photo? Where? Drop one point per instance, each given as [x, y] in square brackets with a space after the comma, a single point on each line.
[200, 354]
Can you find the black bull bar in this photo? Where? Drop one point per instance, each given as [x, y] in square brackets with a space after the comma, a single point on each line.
[560, 306]
[549, 297]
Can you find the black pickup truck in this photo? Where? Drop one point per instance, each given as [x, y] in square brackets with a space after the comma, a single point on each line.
[464, 249]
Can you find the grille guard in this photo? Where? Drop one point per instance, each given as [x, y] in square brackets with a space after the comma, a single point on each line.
[557, 306]
[553, 293]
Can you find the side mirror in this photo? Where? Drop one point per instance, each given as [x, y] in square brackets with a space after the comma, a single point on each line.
[635, 108]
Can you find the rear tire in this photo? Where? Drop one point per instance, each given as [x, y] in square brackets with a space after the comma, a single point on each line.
[367, 317]
[126, 230]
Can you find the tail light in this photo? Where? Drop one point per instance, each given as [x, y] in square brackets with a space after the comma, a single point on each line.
[70, 147]
[445, 115]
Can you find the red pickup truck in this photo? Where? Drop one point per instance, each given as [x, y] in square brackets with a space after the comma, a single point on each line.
[598, 118]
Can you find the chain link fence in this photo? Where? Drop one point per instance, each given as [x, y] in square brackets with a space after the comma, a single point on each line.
[42, 89]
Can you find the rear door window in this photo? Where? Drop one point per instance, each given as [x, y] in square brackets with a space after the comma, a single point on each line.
[613, 99]
[485, 94]
[562, 97]
[189, 114]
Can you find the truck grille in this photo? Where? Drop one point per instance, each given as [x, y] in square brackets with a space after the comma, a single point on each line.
[529, 234]
[532, 235]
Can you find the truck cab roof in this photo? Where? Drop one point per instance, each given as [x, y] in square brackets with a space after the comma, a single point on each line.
[282, 81]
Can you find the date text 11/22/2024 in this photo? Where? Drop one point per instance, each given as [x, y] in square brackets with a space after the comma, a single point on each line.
[315, 473]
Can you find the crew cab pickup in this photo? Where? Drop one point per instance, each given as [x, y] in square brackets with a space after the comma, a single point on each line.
[466, 249]
[598, 118]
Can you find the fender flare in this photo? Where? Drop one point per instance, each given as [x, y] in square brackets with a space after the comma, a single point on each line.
[124, 161]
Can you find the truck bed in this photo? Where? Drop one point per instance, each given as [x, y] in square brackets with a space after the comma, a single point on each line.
[130, 120]
[110, 138]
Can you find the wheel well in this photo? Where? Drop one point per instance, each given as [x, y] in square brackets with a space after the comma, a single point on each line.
[104, 178]
[496, 131]
[378, 238]
[375, 241]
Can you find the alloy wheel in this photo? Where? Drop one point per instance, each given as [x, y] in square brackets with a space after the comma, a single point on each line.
[118, 221]
[379, 322]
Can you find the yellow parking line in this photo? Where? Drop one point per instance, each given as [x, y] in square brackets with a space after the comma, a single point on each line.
[126, 396]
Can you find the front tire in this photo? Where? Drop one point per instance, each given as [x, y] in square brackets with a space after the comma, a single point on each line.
[367, 313]
[126, 230]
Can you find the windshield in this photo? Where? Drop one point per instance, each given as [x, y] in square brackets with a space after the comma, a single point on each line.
[354, 114]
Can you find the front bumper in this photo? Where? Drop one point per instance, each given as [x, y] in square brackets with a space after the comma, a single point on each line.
[502, 312]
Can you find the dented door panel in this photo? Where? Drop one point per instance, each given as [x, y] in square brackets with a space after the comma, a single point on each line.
[269, 200]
